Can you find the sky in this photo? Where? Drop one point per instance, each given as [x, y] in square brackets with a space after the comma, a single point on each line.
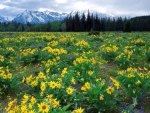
[10, 8]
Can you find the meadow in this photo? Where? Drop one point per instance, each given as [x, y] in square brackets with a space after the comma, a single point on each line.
[74, 72]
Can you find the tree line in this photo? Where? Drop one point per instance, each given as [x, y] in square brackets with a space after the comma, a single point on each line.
[17, 27]
[82, 23]
[94, 23]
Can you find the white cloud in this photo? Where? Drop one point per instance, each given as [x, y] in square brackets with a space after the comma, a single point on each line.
[45, 9]
[5, 1]
[3, 6]
[115, 7]
[85, 5]
[61, 1]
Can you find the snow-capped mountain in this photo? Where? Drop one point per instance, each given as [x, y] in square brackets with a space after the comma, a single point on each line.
[3, 19]
[36, 17]
[56, 15]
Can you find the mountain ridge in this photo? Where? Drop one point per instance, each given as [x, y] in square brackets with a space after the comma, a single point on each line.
[39, 17]
[3, 19]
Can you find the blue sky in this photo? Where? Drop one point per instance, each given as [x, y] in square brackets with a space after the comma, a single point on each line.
[10, 8]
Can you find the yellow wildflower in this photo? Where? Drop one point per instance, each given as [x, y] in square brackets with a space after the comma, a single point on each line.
[69, 90]
[130, 75]
[1, 58]
[9, 76]
[73, 81]
[101, 97]
[64, 71]
[110, 90]
[23, 109]
[83, 88]
[25, 99]
[34, 83]
[43, 107]
[52, 84]
[79, 110]
[55, 103]
[43, 86]
[33, 100]
[90, 72]
[115, 82]
[87, 85]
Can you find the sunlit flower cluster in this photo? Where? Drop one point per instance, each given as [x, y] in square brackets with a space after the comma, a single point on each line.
[55, 51]
[5, 73]
[27, 51]
[82, 43]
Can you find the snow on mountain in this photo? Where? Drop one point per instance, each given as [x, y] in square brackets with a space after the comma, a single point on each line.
[3, 19]
[36, 17]
[56, 15]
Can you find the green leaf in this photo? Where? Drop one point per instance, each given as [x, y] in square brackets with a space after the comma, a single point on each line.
[66, 107]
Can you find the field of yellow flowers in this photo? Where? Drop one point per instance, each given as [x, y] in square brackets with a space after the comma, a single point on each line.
[74, 73]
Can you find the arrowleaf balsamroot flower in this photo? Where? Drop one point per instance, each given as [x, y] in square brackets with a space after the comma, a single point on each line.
[110, 90]
[69, 90]
[79, 110]
[43, 107]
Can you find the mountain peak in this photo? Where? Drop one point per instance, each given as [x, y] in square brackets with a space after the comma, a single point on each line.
[37, 17]
[3, 19]
[26, 12]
